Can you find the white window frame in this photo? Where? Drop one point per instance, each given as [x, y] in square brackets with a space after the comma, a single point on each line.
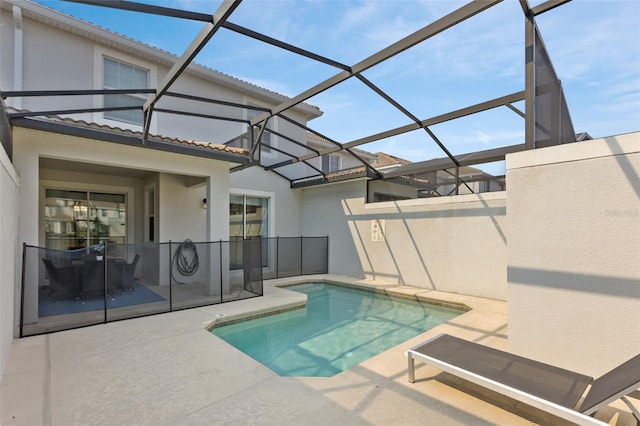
[271, 124]
[99, 53]
[271, 196]
[150, 189]
[89, 187]
[330, 156]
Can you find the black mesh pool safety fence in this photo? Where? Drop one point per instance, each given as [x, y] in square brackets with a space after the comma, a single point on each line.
[293, 256]
[69, 289]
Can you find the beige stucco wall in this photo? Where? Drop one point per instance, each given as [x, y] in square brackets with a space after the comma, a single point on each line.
[10, 254]
[455, 244]
[30, 145]
[574, 253]
[286, 204]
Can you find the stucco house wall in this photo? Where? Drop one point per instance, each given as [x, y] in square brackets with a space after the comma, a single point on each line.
[73, 60]
[9, 254]
[574, 253]
[49, 48]
[286, 204]
[456, 244]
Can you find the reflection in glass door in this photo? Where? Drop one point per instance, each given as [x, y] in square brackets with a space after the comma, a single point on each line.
[80, 219]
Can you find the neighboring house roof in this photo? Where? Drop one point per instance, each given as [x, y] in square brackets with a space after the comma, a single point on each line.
[427, 180]
[109, 38]
[583, 136]
[384, 160]
[337, 176]
[320, 142]
[81, 128]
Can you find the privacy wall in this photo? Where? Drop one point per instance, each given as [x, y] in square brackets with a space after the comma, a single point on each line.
[9, 254]
[455, 244]
[574, 253]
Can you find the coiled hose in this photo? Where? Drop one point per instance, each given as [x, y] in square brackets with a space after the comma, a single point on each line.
[181, 261]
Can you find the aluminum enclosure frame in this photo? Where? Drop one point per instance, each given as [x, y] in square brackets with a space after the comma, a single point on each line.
[220, 19]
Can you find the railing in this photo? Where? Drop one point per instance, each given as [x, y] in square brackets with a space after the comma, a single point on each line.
[69, 289]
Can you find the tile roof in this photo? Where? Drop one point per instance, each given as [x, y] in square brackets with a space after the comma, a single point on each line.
[239, 152]
[383, 160]
[311, 137]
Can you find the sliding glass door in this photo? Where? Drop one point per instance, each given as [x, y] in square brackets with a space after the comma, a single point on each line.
[248, 217]
[80, 219]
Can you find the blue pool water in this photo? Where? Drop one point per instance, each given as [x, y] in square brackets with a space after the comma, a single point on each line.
[339, 328]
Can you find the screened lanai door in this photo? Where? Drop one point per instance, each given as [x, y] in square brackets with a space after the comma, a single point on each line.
[81, 219]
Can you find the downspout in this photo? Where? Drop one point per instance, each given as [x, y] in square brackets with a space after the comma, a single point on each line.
[17, 55]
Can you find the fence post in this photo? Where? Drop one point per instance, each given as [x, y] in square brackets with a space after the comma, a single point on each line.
[170, 277]
[221, 276]
[277, 256]
[301, 254]
[105, 286]
[24, 257]
[327, 264]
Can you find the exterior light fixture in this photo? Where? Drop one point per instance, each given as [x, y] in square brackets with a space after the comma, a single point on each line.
[204, 203]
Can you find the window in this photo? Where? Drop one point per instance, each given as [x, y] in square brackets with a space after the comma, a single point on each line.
[330, 162]
[119, 75]
[248, 217]
[266, 138]
[150, 210]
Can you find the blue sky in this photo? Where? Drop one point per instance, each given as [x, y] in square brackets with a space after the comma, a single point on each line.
[594, 45]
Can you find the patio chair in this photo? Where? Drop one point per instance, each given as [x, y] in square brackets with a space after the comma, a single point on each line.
[548, 388]
[62, 280]
[129, 274]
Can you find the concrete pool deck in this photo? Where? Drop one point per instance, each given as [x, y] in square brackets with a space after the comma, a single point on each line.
[169, 370]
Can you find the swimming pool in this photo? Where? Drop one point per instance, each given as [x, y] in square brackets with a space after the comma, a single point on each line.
[339, 328]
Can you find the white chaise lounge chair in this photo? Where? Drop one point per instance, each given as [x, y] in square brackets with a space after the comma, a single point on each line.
[548, 388]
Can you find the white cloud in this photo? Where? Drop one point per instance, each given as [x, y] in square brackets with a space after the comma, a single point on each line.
[483, 137]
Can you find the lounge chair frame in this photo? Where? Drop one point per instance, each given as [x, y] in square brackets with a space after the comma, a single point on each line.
[570, 414]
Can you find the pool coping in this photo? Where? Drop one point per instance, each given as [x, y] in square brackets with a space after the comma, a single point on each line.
[387, 291]
[408, 293]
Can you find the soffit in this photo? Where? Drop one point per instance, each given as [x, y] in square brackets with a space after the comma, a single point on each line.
[91, 168]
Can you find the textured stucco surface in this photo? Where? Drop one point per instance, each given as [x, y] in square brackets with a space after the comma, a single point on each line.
[455, 244]
[574, 253]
